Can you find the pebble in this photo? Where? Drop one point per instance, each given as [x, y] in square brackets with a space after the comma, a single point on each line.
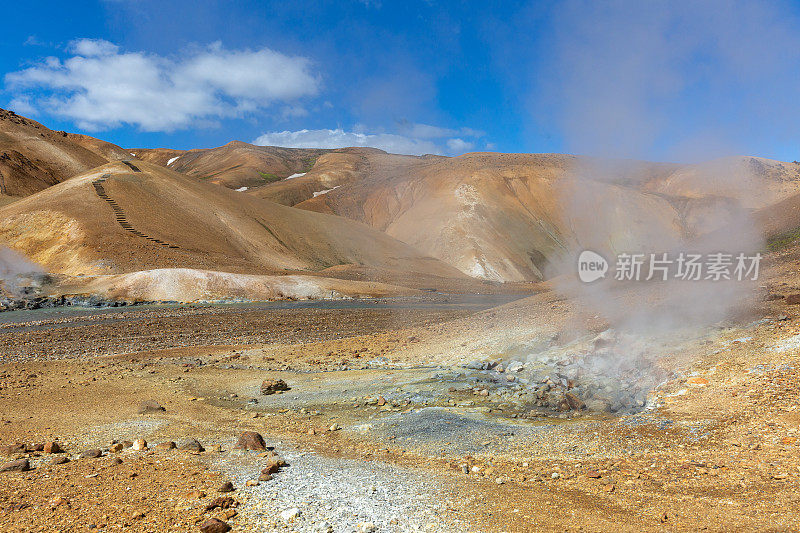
[139, 444]
[367, 527]
[226, 487]
[214, 525]
[91, 454]
[335, 427]
[289, 515]
[150, 406]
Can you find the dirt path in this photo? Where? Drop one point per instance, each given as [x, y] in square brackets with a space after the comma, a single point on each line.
[119, 214]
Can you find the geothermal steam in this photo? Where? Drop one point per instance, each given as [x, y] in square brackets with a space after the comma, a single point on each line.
[629, 82]
[14, 267]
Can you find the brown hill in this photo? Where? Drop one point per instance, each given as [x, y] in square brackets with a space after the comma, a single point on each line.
[237, 164]
[508, 217]
[33, 157]
[130, 217]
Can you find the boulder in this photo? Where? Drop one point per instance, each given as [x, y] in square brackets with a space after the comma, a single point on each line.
[20, 465]
[214, 525]
[573, 402]
[793, 299]
[270, 468]
[11, 449]
[192, 445]
[92, 453]
[222, 502]
[271, 386]
[150, 406]
[52, 447]
[251, 440]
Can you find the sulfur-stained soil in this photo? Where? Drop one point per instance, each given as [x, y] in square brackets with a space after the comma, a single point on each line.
[383, 424]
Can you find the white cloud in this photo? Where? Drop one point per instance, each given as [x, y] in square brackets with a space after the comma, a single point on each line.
[100, 87]
[21, 106]
[419, 144]
[93, 47]
[339, 138]
[428, 131]
[459, 146]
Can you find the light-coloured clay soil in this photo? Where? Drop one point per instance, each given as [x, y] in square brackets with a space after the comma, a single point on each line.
[383, 424]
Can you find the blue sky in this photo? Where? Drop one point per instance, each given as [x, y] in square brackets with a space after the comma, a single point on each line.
[657, 80]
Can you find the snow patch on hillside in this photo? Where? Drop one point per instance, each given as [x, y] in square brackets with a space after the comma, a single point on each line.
[326, 191]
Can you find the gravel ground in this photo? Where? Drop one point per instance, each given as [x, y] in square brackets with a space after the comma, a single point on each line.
[336, 495]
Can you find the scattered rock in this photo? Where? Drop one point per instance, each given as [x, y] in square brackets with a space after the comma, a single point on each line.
[60, 460]
[251, 440]
[289, 515]
[573, 402]
[150, 406]
[324, 527]
[270, 468]
[792, 299]
[222, 502]
[91, 453]
[115, 461]
[11, 449]
[168, 445]
[139, 444]
[271, 386]
[20, 465]
[192, 445]
[367, 527]
[52, 447]
[226, 487]
[251, 483]
[214, 525]
[335, 427]
[264, 477]
[515, 366]
[381, 401]
[115, 448]
[58, 501]
[594, 474]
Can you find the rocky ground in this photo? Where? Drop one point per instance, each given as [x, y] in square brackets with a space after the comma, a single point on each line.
[368, 427]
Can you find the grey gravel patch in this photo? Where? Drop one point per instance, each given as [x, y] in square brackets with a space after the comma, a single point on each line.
[341, 493]
[130, 429]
